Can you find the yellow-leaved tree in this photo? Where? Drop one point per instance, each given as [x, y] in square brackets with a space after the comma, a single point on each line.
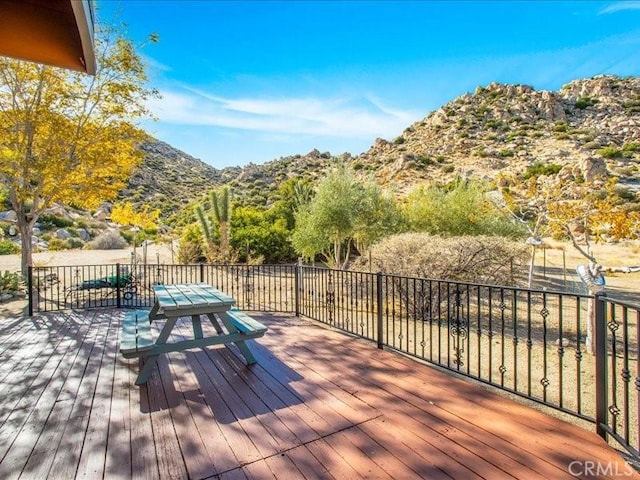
[66, 137]
[125, 214]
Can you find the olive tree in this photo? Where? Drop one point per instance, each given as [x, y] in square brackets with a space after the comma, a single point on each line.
[344, 213]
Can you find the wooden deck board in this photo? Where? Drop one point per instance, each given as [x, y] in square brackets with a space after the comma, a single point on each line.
[489, 420]
[317, 405]
[41, 414]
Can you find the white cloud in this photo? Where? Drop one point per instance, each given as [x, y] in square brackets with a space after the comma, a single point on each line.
[154, 64]
[356, 116]
[619, 6]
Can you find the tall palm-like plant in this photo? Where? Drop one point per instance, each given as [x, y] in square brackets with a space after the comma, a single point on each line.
[218, 246]
[222, 215]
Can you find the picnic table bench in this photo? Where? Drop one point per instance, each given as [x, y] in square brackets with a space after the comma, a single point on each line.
[186, 300]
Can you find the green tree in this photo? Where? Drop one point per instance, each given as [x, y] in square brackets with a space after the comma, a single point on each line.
[261, 235]
[379, 217]
[190, 248]
[66, 137]
[461, 209]
[293, 194]
[343, 212]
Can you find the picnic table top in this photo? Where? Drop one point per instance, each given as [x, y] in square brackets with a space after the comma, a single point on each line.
[190, 296]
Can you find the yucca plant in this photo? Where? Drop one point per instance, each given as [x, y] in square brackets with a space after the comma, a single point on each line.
[218, 249]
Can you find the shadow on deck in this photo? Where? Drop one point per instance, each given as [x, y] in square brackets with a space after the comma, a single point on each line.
[318, 404]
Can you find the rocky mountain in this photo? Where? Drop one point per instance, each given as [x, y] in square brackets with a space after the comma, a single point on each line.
[170, 179]
[589, 125]
[511, 128]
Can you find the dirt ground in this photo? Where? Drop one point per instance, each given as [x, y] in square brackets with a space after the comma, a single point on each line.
[556, 268]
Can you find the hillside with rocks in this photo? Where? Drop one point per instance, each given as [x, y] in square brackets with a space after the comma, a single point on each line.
[169, 179]
[588, 128]
[590, 123]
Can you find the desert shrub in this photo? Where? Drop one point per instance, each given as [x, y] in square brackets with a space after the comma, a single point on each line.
[448, 168]
[560, 127]
[484, 260]
[111, 240]
[399, 140]
[540, 168]
[480, 259]
[139, 237]
[631, 147]
[191, 247]
[7, 247]
[506, 153]
[48, 220]
[592, 145]
[68, 244]
[610, 152]
[460, 208]
[584, 102]
[75, 243]
[56, 244]
[624, 193]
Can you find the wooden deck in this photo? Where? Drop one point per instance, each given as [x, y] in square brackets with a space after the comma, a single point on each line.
[318, 404]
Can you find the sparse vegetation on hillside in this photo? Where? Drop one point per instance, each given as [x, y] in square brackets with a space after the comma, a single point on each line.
[525, 135]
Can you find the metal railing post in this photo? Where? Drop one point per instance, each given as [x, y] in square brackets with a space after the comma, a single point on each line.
[601, 366]
[379, 307]
[118, 291]
[298, 273]
[30, 289]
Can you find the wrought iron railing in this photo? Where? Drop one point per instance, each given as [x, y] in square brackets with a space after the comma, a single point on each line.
[575, 353]
[255, 287]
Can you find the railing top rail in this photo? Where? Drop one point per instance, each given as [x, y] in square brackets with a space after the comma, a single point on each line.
[471, 284]
[153, 264]
[620, 302]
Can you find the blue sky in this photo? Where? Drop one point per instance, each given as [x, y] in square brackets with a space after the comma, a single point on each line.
[253, 81]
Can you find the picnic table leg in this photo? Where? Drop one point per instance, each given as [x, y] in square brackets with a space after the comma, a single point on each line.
[154, 311]
[215, 323]
[242, 346]
[197, 326]
[151, 360]
[147, 369]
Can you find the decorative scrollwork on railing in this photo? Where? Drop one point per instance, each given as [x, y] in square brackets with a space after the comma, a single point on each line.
[330, 296]
[458, 328]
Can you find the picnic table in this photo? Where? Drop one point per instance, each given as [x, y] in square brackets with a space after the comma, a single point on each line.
[186, 300]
